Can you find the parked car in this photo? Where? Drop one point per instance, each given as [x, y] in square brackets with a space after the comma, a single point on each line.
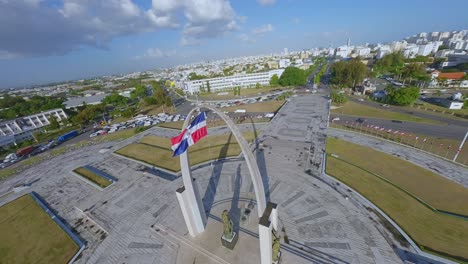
[361, 120]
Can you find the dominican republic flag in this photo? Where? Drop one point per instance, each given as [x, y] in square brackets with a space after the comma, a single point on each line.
[191, 135]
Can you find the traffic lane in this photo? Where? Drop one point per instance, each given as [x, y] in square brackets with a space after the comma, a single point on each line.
[442, 131]
[413, 113]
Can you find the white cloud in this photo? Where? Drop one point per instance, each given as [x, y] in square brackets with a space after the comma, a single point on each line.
[266, 2]
[263, 29]
[242, 19]
[155, 53]
[52, 29]
[188, 41]
[296, 20]
[245, 38]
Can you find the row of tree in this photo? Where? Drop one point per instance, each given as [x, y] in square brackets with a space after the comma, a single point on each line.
[15, 106]
[348, 73]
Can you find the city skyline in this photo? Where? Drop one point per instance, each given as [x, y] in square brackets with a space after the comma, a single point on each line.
[144, 35]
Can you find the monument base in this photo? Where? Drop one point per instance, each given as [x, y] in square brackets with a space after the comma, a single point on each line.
[279, 259]
[230, 243]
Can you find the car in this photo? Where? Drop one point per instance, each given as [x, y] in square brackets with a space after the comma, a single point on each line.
[335, 119]
[361, 100]
[397, 121]
[361, 120]
[93, 135]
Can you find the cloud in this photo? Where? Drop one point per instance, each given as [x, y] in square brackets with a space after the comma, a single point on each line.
[35, 28]
[242, 19]
[155, 53]
[296, 21]
[266, 2]
[263, 29]
[245, 38]
[188, 41]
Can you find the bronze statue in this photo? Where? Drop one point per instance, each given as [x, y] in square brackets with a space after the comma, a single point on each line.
[276, 247]
[227, 225]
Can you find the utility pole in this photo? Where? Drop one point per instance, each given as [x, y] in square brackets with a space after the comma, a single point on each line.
[461, 146]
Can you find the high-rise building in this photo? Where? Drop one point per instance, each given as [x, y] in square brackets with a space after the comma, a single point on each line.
[285, 51]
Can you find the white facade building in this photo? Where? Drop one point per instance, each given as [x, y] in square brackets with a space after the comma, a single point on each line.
[425, 49]
[283, 63]
[22, 128]
[363, 51]
[229, 82]
[411, 51]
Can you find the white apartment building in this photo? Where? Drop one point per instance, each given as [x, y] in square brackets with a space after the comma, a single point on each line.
[411, 51]
[426, 49]
[362, 51]
[229, 82]
[22, 128]
[283, 63]
[398, 46]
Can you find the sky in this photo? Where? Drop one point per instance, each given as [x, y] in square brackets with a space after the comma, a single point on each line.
[44, 41]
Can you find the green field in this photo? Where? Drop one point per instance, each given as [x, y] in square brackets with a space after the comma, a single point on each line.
[93, 177]
[245, 92]
[431, 230]
[359, 110]
[29, 235]
[262, 107]
[157, 150]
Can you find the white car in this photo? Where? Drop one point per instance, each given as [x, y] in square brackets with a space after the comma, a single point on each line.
[335, 119]
[93, 135]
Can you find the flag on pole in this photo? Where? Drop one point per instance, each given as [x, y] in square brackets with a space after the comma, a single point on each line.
[191, 135]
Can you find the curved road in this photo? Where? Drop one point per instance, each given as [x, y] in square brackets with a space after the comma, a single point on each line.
[451, 121]
[433, 130]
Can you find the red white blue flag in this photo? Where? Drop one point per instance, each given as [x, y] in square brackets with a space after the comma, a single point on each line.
[191, 135]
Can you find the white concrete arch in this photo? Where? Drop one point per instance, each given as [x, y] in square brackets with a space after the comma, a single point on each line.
[192, 205]
[249, 157]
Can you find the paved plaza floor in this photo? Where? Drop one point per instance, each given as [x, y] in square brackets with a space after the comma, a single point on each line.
[138, 219]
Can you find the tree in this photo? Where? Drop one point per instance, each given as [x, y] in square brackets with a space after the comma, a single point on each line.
[257, 85]
[442, 47]
[338, 98]
[293, 76]
[413, 70]
[139, 92]
[208, 88]
[390, 63]
[401, 96]
[274, 80]
[54, 124]
[115, 99]
[348, 73]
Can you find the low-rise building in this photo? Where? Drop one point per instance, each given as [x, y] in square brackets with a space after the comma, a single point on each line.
[88, 100]
[229, 82]
[22, 128]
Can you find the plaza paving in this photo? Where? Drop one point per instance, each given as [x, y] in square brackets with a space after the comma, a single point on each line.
[138, 219]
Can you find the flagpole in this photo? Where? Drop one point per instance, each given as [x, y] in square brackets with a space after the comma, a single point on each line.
[461, 146]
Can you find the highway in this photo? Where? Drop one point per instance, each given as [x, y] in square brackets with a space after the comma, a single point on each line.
[450, 121]
[432, 130]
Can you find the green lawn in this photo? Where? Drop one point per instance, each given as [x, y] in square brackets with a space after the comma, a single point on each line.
[156, 150]
[359, 110]
[29, 235]
[93, 177]
[429, 229]
[261, 107]
[248, 92]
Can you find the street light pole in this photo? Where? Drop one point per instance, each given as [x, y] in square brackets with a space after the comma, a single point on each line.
[461, 146]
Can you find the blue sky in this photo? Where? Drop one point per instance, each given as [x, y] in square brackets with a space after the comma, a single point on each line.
[53, 40]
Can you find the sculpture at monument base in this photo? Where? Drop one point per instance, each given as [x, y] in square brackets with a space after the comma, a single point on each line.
[276, 253]
[229, 237]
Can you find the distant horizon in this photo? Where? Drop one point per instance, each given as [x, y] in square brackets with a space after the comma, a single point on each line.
[199, 61]
[96, 38]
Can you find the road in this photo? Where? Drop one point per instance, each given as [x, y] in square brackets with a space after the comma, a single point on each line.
[442, 119]
[432, 130]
